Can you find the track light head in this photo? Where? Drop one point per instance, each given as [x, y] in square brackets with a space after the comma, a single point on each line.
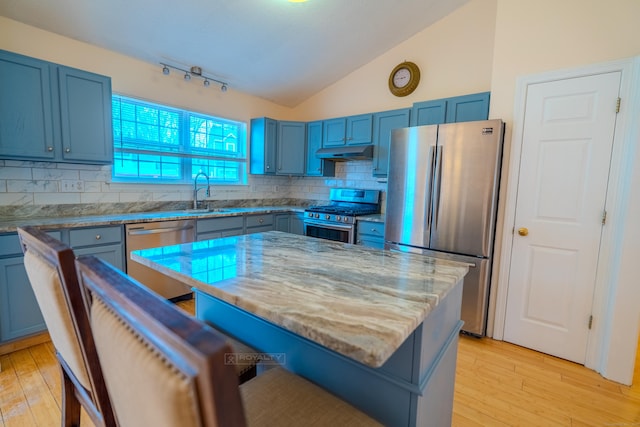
[194, 72]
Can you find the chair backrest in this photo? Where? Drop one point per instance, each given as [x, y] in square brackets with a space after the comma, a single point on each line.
[51, 270]
[161, 366]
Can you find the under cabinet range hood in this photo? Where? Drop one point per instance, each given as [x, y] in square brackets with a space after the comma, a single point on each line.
[346, 152]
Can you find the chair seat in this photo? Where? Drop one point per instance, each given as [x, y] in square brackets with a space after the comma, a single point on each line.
[279, 398]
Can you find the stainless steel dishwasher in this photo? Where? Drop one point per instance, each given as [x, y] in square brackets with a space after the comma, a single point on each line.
[154, 235]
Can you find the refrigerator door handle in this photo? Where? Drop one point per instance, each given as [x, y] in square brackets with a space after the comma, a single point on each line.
[436, 185]
[429, 200]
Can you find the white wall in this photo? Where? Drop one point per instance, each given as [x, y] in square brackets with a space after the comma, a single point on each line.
[533, 36]
[455, 57]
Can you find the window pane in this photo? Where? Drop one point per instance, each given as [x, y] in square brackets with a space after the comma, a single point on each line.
[146, 135]
[219, 170]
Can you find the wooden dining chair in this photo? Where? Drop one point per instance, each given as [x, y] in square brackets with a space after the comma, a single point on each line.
[165, 368]
[52, 273]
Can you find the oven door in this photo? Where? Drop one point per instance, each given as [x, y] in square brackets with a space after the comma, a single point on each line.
[329, 231]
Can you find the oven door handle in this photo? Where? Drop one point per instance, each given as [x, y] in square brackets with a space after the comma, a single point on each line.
[329, 225]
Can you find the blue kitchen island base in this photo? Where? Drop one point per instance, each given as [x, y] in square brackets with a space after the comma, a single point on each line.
[414, 387]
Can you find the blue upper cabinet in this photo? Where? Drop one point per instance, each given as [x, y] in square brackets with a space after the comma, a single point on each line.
[334, 131]
[53, 113]
[25, 108]
[429, 112]
[316, 166]
[468, 108]
[464, 108]
[85, 112]
[359, 129]
[291, 148]
[278, 147]
[383, 124]
[352, 130]
[264, 137]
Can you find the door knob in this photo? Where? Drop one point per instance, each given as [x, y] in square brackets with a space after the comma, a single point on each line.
[523, 231]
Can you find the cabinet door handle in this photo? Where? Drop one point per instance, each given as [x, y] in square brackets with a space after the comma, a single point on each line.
[268, 167]
[67, 150]
[49, 148]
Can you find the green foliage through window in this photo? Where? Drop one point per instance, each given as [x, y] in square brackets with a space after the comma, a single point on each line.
[160, 144]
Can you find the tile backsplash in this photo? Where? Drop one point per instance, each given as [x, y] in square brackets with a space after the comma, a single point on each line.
[25, 186]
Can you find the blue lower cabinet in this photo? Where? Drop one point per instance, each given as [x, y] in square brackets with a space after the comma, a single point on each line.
[370, 233]
[20, 314]
[19, 311]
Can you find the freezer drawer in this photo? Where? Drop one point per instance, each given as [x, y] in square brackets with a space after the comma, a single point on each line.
[475, 293]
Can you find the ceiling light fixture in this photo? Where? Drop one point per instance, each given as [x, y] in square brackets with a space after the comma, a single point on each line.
[194, 71]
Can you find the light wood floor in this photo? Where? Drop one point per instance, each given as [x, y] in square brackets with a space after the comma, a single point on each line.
[497, 384]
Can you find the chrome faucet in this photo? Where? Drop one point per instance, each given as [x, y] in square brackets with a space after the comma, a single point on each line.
[196, 189]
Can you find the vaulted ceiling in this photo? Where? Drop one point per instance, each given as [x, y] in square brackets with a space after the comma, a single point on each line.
[274, 49]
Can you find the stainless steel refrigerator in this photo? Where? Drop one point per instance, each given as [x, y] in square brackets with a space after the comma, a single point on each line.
[442, 196]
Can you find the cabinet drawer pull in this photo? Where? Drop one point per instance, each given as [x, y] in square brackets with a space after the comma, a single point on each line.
[373, 230]
[261, 220]
[98, 237]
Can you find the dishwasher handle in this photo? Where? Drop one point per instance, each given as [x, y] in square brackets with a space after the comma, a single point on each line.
[142, 231]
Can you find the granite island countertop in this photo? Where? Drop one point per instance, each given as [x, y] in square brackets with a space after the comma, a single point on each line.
[360, 302]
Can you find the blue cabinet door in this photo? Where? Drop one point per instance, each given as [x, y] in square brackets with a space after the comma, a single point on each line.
[383, 124]
[85, 116]
[464, 108]
[316, 166]
[291, 148]
[264, 136]
[359, 129]
[334, 131]
[25, 108]
[468, 108]
[19, 311]
[314, 143]
[428, 112]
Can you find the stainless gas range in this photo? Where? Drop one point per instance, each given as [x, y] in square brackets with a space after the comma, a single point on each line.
[337, 220]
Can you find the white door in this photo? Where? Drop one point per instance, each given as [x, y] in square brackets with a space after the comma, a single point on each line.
[564, 166]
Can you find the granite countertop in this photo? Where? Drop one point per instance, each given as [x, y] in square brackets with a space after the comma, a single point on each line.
[371, 218]
[10, 224]
[364, 310]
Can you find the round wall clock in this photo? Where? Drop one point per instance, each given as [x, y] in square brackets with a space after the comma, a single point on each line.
[404, 79]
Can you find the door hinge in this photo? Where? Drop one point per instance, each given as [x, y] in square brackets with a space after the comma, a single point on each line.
[590, 321]
[604, 217]
[618, 105]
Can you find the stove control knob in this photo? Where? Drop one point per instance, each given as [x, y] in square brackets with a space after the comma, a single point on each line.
[338, 218]
[346, 219]
[317, 215]
[327, 216]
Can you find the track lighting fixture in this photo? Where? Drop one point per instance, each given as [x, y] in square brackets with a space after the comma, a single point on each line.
[194, 71]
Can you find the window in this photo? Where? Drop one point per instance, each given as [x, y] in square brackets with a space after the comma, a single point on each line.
[160, 144]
